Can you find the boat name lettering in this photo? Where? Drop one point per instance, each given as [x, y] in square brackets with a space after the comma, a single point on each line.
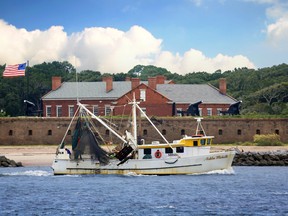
[172, 154]
[217, 157]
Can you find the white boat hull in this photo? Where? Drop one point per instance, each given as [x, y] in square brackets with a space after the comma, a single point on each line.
[162, 166]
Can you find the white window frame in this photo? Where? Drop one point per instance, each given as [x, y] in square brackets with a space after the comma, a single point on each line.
[57, 110]
[69, 110]
[47, 113]
[179, 113]
[209, 111]
[144, 110]
[96, 110]
[107, 110]
[219, 111]
[200, 112]
[143, 94]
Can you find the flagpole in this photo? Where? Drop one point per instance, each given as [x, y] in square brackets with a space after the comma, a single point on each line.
[27, 87]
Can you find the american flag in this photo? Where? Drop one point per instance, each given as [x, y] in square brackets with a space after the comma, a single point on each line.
[14, 70]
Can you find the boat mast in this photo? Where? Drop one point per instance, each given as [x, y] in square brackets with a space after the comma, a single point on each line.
[134, 114]
[102, 122]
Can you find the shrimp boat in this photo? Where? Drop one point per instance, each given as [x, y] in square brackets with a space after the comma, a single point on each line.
[188, 155]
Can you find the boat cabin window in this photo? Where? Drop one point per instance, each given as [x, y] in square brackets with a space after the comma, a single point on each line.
[195, 143]
[203, 141]
[147, 151]
[208, 141]
[168, 150]
[180, 149]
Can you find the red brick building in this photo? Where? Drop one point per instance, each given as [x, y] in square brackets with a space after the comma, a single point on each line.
[156, 97]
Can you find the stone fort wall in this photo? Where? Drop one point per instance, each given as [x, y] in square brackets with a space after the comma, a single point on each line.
[39, 131]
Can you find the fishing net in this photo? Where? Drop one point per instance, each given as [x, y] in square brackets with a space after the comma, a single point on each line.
[86, 141]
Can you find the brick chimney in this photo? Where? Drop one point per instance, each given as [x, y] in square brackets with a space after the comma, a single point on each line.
[152, 82]
[56, 82]
[222, 86]
[135, 82]
[109, 83]
[128, 79]
[160, 79]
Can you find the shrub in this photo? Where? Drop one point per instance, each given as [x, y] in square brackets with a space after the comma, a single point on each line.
[267, 140]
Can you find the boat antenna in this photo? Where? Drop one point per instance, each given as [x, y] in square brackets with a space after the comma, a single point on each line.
[199, 127]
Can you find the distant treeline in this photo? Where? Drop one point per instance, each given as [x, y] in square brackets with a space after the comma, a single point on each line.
[262, 91]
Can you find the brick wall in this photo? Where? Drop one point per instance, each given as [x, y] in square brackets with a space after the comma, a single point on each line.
[36, 131]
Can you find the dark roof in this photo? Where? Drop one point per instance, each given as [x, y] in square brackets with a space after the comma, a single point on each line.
[88, 90]
[191, 93]
[178, 93]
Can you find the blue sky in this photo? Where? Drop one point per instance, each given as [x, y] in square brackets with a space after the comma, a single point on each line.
[115, 35]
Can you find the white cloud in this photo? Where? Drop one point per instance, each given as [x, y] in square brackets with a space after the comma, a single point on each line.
[278, 33]
[277, 27]
[194, 61]
[106, 50]
[19, 45]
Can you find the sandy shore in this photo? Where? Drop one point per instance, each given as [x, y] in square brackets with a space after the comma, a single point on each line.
[44, 155]
[30, 155]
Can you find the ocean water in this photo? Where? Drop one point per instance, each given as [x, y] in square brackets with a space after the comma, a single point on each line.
[241, 191]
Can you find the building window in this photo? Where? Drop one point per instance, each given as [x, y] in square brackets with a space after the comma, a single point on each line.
[10, 132]
[144, 110]
[95, 110]
[180, 149]
[220, 132]
[69, 132]
[200, 111]
[71, 110]
[209, 111]
[239, 132]
[277, 131]
[163, 132]
[182, 132]
[107, 132]
[48, 111]
[30, 132]
[49, 132]
[143, 94]
[168, 150]
[58, 110]
[145, 132]
[179, 111]
[107, 110]
[219, 111]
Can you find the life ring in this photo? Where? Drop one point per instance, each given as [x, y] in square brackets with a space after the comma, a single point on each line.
[158, 154]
